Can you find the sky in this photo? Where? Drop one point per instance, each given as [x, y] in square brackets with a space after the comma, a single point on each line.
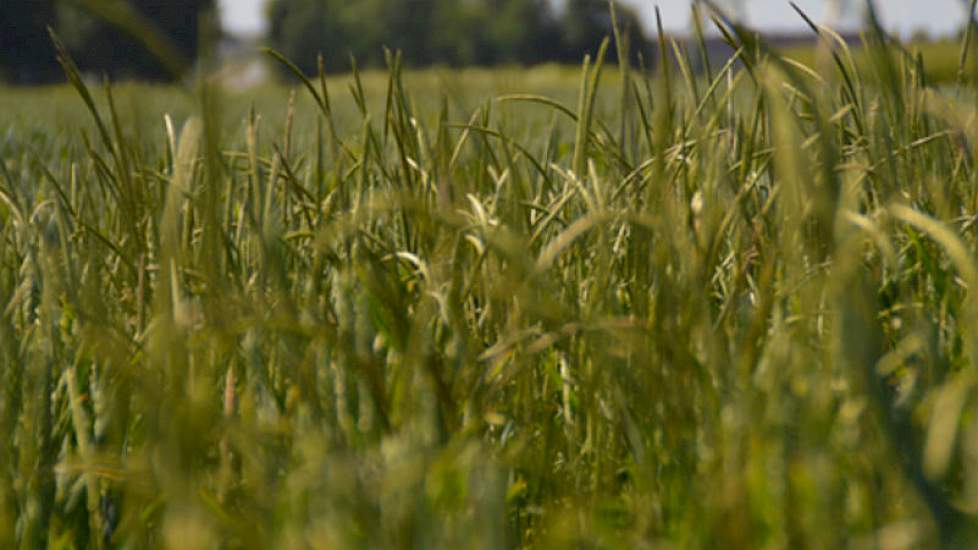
[937, 17]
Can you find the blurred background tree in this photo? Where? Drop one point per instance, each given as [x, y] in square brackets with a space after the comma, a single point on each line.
[585, 23]
[524, 31]
[26, 55]
[449, 32]
[98, 46]
[445, 32]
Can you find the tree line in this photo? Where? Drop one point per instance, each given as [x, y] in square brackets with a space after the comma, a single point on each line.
[448, 32]
[92, 35]
[427, 32]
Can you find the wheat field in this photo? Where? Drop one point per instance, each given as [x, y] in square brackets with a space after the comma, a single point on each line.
[613, 307]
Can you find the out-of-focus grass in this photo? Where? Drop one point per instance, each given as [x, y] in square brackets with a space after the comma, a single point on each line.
[493, 309]
[46, 109]
[940, 59]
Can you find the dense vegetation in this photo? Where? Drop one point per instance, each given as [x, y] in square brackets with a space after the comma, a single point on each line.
[160, 41]
[26, 54]
[148, 39]
[720, 312]
[445, 32]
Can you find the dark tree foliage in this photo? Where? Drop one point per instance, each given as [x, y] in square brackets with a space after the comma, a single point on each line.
[449, 32]
[585, 23]
[99, 47]
[26, 54]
